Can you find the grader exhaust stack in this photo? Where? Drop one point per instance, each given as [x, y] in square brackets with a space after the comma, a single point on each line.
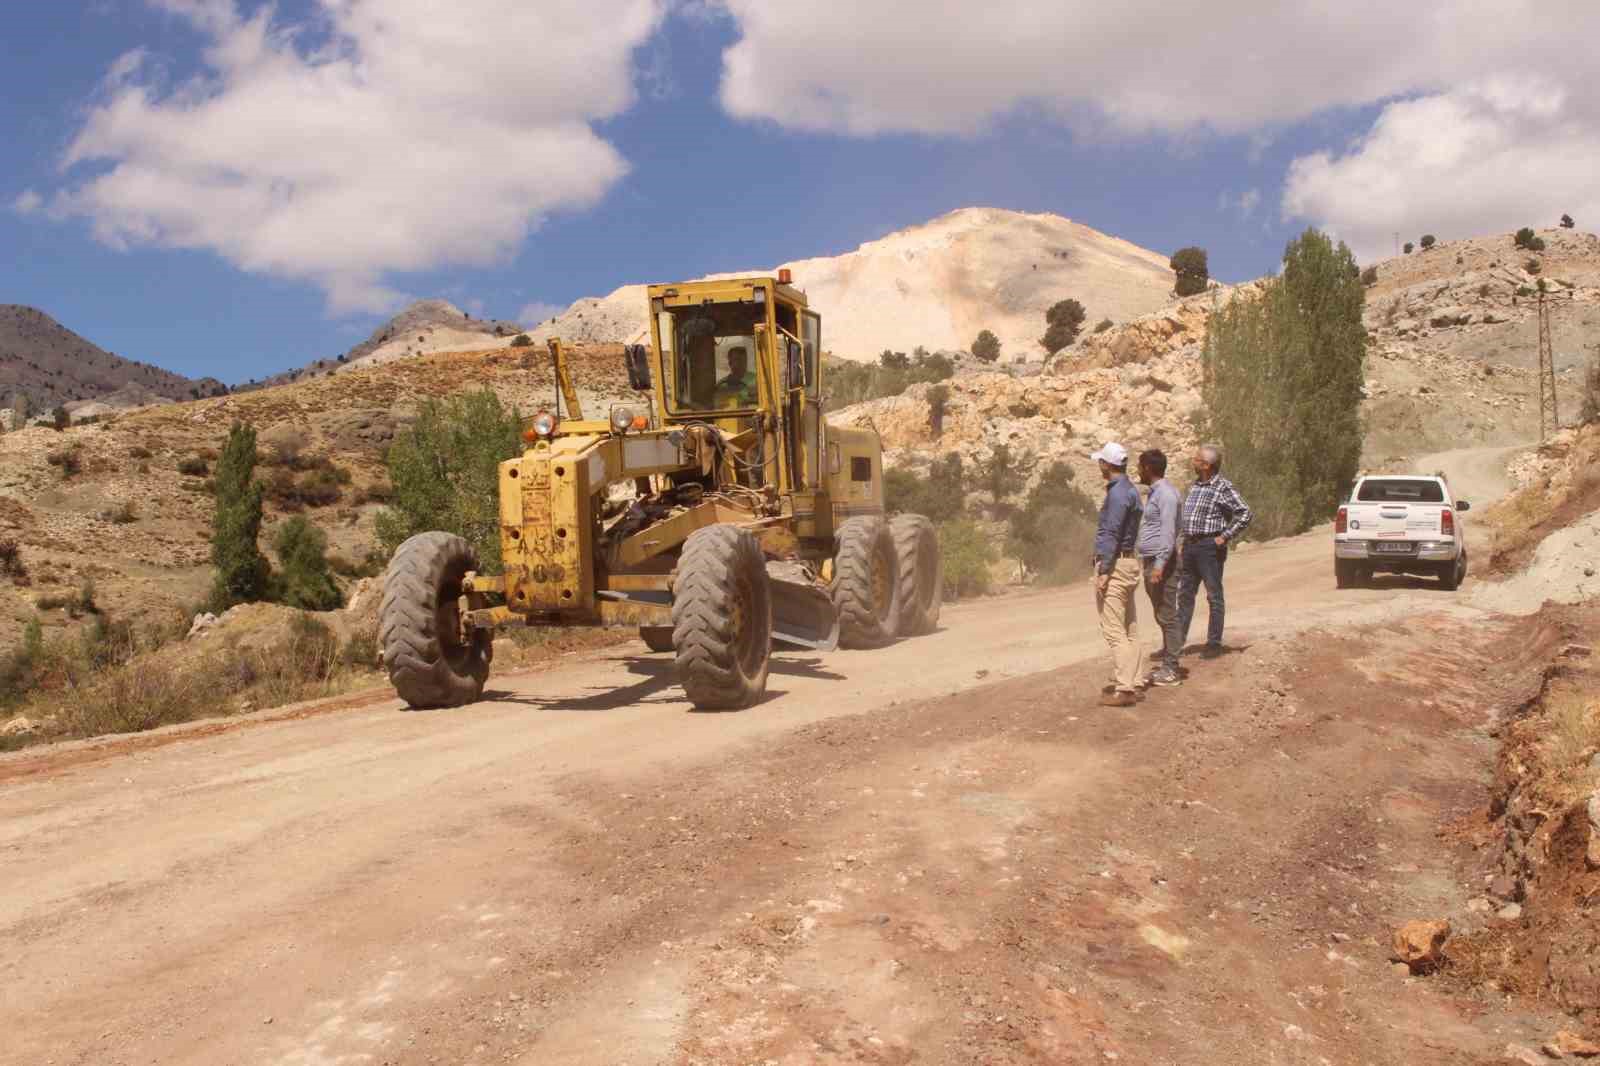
[722, 517]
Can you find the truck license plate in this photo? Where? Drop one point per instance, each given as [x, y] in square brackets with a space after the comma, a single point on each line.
[1394, 547]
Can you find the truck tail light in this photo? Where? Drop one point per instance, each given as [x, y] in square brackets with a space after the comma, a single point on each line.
[1447, 523]
[1341, 524]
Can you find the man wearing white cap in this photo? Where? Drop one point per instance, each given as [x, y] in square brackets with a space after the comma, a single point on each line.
[1117, 575]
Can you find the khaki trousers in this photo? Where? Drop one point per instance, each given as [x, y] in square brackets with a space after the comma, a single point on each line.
[1119, 623]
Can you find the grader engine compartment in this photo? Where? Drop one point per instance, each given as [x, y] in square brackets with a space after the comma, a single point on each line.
[721, 516]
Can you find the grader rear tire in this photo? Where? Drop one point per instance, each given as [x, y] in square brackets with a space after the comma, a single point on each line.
[921, 575]
[866, 582]
[419, 624]
[722, 619]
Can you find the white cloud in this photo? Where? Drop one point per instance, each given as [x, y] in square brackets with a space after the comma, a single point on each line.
[1483, 158]
[27, 203]
[538, 311]
[387, 136]
[870, 66]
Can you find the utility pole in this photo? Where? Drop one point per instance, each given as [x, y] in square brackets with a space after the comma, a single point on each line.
[1549, 421]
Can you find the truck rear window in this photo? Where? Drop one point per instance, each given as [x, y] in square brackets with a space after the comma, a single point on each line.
[1393, 490]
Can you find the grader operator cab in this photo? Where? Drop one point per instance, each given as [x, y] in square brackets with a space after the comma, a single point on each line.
[721, 517]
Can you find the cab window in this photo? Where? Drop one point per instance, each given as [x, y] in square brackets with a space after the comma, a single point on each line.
[714, 357]
[811, 342]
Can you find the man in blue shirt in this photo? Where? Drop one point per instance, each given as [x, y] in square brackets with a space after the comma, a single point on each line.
[1116, 579]
[1158, 541]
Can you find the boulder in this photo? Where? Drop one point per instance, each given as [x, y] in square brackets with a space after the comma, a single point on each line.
[1420, 944]
[1566, 1043]
[20, 726]
[203, 624]
[1445, 317]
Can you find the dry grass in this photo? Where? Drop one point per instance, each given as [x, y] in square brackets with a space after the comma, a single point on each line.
[1572, 737]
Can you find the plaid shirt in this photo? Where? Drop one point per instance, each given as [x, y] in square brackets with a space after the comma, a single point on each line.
[1214, 509]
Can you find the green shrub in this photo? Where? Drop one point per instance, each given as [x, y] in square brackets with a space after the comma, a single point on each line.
[193, 466]
[1428, 241]
[940, 495]
[1062, 322]
[1192, 270]
[445, 471]
[360, 652]
[1052, 535]
[303, 579]
[986, 346]
[1532, 266]
[67, 460]
[1408, 248]
[967, 552]
[139, 451]
[1103, 325]
[1369, 276]
[60, 419]
[1001, 475]
[1589, 404]
[521, 340]
[1566, 222]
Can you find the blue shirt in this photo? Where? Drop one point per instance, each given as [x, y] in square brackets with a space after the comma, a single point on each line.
[1158, 533]
[1119, 523]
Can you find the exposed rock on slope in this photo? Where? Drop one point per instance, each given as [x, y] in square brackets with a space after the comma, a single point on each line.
[937, 285]
[51, 365]
[1452, 343]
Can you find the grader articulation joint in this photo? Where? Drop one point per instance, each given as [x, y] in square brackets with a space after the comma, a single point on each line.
[721, 516]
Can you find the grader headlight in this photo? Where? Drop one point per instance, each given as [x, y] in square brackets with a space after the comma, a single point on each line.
[541, 427]
[625, 417]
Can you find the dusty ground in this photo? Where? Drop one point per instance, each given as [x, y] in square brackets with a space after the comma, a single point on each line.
[939, 852]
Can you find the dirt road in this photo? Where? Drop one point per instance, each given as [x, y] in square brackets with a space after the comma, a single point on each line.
[942, 851]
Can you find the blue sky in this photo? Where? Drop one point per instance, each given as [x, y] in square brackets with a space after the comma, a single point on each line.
[676, 168]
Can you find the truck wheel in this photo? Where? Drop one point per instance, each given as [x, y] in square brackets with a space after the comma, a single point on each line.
[921, 574]
[1452, 573]
[1344, 573]
[722, 618]
[419, 624]
[656, 638]
[866, 582]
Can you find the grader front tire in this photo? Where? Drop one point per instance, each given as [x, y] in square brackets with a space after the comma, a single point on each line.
[916, 543]
[419, 625]
[722, 619]
[866, 583]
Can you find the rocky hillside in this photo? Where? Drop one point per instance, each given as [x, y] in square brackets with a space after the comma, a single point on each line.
[424, 328]
[937, 285]
[1452, 338]
[50, 365]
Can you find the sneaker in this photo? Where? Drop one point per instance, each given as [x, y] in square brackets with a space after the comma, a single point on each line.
[1121, 698]
[1165, 679]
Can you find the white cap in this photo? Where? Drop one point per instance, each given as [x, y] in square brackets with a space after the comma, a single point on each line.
[1113, 453]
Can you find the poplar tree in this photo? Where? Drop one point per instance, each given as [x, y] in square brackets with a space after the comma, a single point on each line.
[242, 571]
[1283, 375]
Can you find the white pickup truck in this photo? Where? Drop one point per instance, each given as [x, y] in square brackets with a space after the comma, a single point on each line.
[1399, 524]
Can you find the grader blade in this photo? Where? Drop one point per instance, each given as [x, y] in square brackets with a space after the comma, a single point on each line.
[802, 616]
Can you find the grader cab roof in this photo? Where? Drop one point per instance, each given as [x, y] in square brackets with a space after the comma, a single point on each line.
[723, 290]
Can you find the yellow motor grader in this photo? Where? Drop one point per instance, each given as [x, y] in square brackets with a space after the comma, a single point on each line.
[721, 515]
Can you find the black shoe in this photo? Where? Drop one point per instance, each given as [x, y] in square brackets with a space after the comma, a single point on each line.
[1213, 651]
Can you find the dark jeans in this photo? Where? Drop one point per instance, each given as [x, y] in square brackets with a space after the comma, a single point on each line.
[1202, 561]
[1164, 599]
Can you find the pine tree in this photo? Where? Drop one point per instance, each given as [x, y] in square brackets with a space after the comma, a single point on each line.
[1062, 322]
[986, 346]
[242, 571]
[1193, 272]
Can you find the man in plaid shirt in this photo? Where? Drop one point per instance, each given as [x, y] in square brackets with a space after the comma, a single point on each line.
[1214, 514]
